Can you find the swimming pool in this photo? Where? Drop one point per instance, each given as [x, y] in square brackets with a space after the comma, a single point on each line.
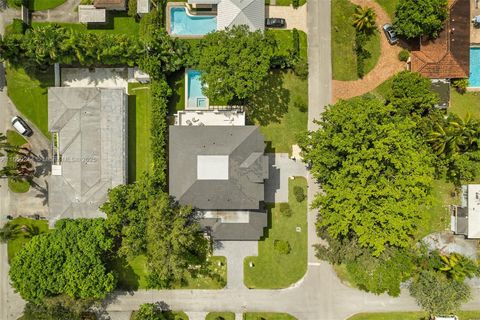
[474, 80]
[183, 24]
[195, 97]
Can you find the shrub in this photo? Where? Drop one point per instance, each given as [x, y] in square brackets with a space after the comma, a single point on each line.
[18, 27]
[299, 193]
[300, 68]
[362, 54]
[132, 8]
[281, 246]
[403, 55]
[461, 85]
[285, 209]
[295, 44]
[295, 3]
[16, 3]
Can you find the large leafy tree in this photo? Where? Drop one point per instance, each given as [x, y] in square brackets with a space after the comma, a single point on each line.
[175, 242]
[68, 260]
[437, 294]
[375, 171]
[411, 94]
[235, 63]
[415, 18]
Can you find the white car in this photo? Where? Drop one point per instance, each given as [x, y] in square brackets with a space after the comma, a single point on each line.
[21, 126]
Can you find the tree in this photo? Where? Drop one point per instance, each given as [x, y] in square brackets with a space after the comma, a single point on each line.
[30, 231]
[71, 260]
[364, 19]
[235, 63]
[174, 241]
[153, 311]
[437, 294]
[9, 232]
[60, 307]
[411, 94]
[458, 267]
[376, 173]
[415, 18]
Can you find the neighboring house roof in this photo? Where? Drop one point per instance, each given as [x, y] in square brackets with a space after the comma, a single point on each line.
[466, 217]
[241, 12]
[448, 56]
[111, 4]
[250, 229]
[143, 6]
[217, 167]
[92, 143]
[90, 14]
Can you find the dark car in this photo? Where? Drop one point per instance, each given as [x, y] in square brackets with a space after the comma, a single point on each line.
[390, 33]
[21, 126]
[275, 23]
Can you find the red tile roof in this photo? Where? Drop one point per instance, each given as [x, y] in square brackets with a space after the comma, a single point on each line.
[448, 56]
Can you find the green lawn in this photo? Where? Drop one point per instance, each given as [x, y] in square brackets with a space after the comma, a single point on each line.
[462, 104]
[462, 315]
[267, 316]
[28, 91]
[271, 269]
[133, 274]
[389, 6]
[139, 124]
[288, 2]
[17, 244]
[16, 185]
[118, 23]
[176, 81]
[344, 59]
[38, 5]
[285, 41]
[281, 110]
[224, 315]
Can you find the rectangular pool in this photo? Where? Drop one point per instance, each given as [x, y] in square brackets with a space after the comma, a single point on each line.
[474, 80]
[181, 23]
[195, 97]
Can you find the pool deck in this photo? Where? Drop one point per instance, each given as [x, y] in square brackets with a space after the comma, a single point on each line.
[474, 32]
[171, 5]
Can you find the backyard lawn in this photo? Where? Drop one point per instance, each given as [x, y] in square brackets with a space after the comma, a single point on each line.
[133, 274]
[139, 124]
[273, 269]
[462, 104]
[16, 185]
[28, 91]
[281, 110]
[18, 242]
[344, 58]
[389, 6]
[118, 23]
[220, 315]
[285, 41]
[267, 316]
[462, 315]
[38, 5]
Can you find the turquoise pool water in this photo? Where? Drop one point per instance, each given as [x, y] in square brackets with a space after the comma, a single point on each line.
[196, 98]
[474, 80]
[183, 24]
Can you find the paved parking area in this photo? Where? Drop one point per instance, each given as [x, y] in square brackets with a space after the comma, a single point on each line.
[295, 18]
[235, 252]
[281, 168]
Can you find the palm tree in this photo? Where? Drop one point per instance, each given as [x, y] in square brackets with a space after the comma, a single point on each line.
[458, 267]
[30, 231]
[364, 19]
[9, 232]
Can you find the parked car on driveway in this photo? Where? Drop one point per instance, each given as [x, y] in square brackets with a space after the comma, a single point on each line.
[390, 33]
[21, 126]
[275, 23]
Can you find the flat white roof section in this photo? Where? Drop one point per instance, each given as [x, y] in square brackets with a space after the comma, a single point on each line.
[473, 211]
[212, 167]
[210, 118]
[90, 14]
[143, 6]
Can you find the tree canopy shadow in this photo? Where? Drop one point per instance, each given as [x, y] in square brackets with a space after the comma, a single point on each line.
[270, 103]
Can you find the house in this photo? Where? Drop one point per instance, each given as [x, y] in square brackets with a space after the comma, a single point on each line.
[89, 142]
[220, 171]
[448, 56]
[465, 218]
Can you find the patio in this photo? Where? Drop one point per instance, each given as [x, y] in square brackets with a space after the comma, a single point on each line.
[210, 118]
[474, 32]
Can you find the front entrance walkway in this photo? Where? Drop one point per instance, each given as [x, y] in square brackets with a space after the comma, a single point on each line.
[281, 168]
[387, 65]
[295, 18]
[235, 252]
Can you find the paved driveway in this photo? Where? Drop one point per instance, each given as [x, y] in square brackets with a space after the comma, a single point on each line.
[281, 168]
[235, 252]
[295, 18]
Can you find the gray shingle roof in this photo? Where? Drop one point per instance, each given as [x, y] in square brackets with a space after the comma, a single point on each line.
[248, 167]
[247, 231]
[91, 124]
[241, 12]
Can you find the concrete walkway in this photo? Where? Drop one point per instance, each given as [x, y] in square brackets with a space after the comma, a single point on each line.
[281, 168]
[387, 65]
[295, 18]
[65, 12]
